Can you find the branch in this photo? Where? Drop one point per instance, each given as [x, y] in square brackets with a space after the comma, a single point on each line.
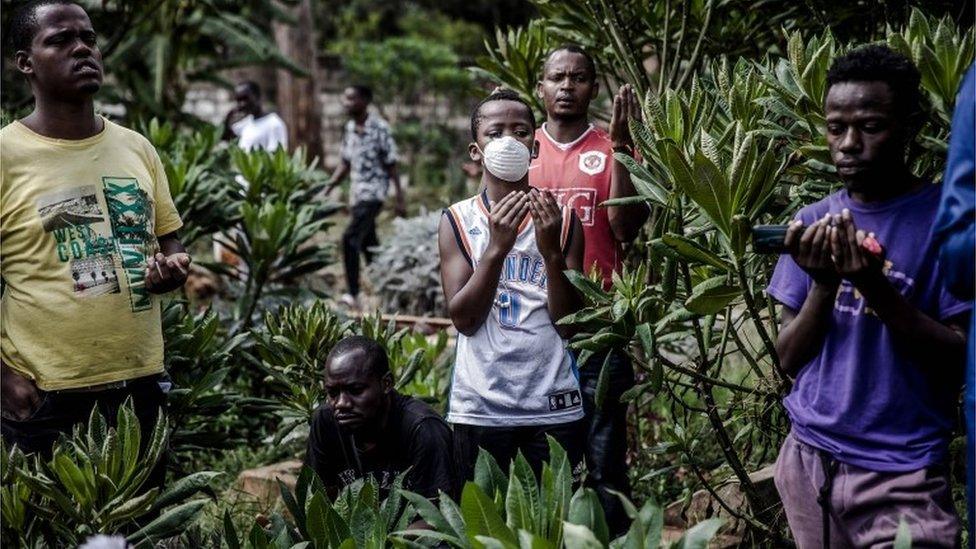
[701, 36]
[681, 42]
[757, 320]
[663, 57]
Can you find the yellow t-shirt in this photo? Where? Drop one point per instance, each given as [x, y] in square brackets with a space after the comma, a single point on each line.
[78, 221]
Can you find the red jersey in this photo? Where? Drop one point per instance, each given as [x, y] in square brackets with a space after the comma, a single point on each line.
[578, 173]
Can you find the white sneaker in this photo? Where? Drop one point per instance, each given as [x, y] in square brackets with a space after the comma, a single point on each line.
[349, 301]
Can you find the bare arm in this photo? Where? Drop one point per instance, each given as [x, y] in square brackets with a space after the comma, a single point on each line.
[625, 221]
[401, 207]
[233, 116]
[470, 293]
[340, 173]
[802, 334]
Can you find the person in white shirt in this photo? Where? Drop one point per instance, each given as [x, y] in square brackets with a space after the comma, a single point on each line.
[254, 129]
[250, 124]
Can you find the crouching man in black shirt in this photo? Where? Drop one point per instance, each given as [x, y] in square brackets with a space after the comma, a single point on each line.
[367, 428]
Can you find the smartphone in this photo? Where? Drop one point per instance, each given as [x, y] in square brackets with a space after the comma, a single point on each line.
[769, 239]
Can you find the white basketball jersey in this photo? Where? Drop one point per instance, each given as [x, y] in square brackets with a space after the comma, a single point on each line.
[515, 370]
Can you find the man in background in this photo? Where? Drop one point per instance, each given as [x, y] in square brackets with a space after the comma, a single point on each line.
[576, 162]
[253, 127]
[369, 157]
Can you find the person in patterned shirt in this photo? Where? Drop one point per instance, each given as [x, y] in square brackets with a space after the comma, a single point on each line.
[369, 158]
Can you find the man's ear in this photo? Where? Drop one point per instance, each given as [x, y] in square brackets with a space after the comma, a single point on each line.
[596, 89]
[538, 90]
[387, 382]
[23, 62]
[535, 148]
[474, 152]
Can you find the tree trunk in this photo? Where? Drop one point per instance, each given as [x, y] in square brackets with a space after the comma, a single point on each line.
[298, 98]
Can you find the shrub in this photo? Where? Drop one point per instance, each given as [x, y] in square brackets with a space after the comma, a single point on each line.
[406, 270]
[95, 482]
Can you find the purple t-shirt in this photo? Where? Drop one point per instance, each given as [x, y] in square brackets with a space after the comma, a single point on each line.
[862, 399]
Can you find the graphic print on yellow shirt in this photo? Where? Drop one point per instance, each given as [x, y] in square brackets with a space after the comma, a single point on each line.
[70, 214]
[78, 220]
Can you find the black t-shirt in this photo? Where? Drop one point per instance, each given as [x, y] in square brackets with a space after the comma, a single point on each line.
[416, 438]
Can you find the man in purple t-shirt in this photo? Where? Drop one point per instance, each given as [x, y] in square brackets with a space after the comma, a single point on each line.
[875, 342]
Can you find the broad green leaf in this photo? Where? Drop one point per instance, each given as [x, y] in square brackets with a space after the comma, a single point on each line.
[525, 480]
[645, 334]
[603, 382]
[134, 507]
[528, 540]
[577, 536]
[173, 521]
[698, 536]
[481, 517]
[652, 517]
[185, 487]
[230, 532]
[591, 289]
[452, 514]
[489, 542]
[430, 514]
[693, 251]
[519, 510]
[586, 510]
[711, 296]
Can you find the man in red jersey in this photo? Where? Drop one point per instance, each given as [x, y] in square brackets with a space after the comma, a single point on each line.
[576, 162]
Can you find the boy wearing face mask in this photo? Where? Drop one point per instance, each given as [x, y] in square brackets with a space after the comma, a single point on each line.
[503, 255]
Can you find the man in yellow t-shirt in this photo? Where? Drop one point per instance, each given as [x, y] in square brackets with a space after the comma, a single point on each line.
[88, 232]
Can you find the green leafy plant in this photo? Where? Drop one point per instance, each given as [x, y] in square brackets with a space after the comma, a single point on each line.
[200, 179]
[521, 511]
[291, 352]
[358, 518]
[95, 482]
[515, 60]
[279, 220]
[419, 363]
[161, 48]
[723, 146]
[199, 356]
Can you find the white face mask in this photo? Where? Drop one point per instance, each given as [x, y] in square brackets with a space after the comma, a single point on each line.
[506, 158]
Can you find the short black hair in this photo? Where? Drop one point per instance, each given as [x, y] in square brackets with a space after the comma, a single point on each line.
[364, 91]
[879, 63]
[378, 364]
[252, 87]
[573, 48]
[502, 95]
[23, 22]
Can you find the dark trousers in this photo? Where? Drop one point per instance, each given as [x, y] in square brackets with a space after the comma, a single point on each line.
[60, 411]
[606, 435]
[504, 443]
[359, 237]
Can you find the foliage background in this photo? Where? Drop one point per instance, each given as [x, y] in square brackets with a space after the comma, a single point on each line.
[730, 137]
